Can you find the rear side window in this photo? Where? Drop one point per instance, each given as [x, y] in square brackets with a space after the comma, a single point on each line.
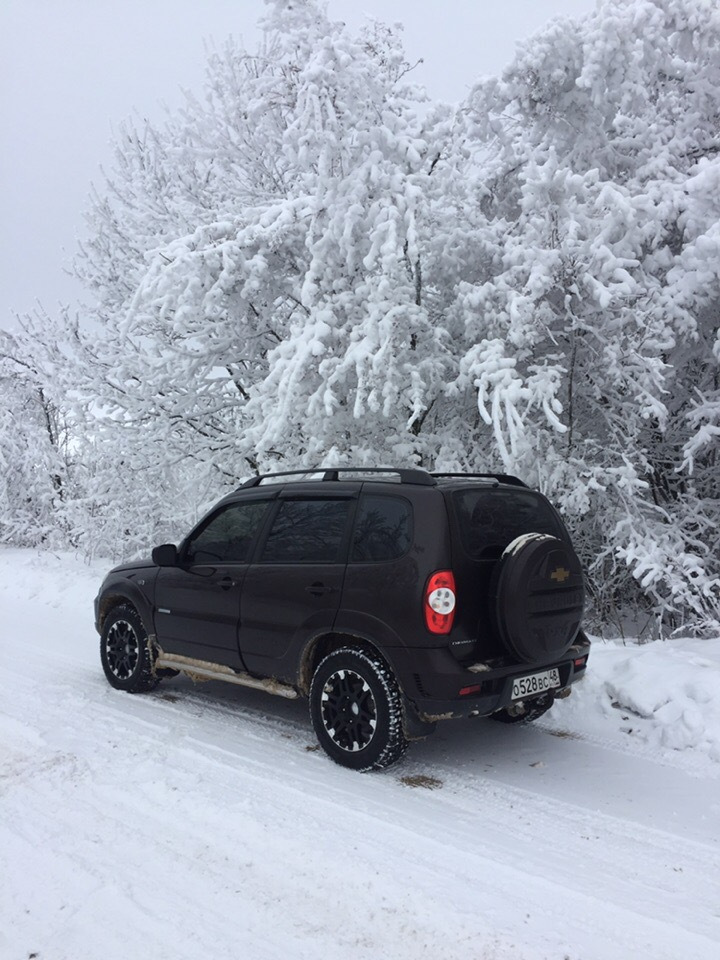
[383, 529]
[491, 519]
[227, 538]
[307, 531]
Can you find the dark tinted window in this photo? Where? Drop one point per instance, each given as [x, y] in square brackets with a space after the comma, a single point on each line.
[229, 535]
[307, 531]
[382, 530]
[491, 519]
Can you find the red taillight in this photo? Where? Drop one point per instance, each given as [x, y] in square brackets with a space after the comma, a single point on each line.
[439, 602]
[580, 662]
[465, 691]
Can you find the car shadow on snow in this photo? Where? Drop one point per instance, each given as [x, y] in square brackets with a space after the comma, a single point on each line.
[479, 744]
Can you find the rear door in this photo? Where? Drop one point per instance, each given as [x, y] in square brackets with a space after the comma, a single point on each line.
[293, 588]
[485, 519]
[382, 595]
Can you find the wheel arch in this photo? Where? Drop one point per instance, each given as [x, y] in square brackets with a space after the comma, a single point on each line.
[319, 647]
[115, 596]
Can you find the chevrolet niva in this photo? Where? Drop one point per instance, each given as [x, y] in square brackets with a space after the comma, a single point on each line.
[391, 598]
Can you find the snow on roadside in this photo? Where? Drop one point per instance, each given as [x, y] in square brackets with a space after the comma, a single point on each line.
[665, 693]
[49, 577]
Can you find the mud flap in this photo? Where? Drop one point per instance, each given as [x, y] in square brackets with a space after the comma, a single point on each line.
[413, 727]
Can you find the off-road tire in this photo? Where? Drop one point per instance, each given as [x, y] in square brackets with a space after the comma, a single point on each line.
[356, 710]
[125, 653]
[533, 711]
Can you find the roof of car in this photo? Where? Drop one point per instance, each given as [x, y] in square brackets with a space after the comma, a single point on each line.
[413, 475]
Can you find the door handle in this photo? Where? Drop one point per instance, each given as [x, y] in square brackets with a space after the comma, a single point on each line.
[226, 583]
[317, 589]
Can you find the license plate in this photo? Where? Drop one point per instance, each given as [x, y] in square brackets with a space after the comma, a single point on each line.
[535, 684]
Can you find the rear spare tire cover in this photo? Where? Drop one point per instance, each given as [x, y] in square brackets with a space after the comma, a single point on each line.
[539, 597]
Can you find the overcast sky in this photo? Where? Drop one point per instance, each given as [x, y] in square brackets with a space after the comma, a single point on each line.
[71, 70]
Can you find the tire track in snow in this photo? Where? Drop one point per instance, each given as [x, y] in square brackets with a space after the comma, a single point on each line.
[498, 831]
[204, 824]
[470, 805]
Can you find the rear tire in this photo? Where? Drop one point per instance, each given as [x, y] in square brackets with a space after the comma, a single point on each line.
[356, 710]
[125, 654]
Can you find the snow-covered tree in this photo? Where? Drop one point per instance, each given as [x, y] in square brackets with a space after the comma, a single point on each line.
[35, 459]
[591, 336]
[258, 261]
[311, 263]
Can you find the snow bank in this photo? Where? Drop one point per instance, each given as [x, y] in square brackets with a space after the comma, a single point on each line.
[667, 694]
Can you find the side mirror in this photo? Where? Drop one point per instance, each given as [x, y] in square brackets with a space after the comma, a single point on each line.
[165, 555]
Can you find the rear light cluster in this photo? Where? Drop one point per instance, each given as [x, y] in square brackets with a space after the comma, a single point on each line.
[439, 603]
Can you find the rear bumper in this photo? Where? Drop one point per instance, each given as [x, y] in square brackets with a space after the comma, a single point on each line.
[435, 694]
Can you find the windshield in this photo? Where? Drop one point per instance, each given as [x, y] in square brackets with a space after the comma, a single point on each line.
[491, 519]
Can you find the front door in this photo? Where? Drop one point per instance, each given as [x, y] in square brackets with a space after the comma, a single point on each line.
[197, 603]
[292, 591]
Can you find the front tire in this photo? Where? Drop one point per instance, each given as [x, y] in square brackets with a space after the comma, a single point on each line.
[356, 710]
[125, 652]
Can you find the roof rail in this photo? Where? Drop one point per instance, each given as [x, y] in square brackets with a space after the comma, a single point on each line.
[412, 475]
[499, 477]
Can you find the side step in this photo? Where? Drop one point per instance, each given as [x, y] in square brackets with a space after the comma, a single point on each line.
[205, 670]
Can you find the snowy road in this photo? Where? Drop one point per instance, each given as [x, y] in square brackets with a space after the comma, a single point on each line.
[201, 822]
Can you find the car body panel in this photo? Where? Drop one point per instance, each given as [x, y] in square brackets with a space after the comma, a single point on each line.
[197, 611]
[134, 582]
[282, 608]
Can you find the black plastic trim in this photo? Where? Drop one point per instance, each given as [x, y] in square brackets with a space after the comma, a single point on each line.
[497, 477]
[415, 476]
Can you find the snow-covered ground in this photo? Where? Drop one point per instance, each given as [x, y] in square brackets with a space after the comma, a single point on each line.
[201, 822]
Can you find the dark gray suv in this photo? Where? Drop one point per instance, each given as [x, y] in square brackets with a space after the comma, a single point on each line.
[391, 598]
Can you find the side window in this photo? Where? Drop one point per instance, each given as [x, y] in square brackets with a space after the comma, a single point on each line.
[383, 529]
[307, 531]
[229, 535]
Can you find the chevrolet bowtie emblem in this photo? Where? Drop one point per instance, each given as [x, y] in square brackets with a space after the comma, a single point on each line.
[560, 575]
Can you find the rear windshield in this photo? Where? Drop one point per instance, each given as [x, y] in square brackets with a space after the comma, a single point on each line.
[491, 519]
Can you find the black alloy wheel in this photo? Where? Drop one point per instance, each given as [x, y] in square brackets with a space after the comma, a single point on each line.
[124, 651]
[348, 710]
[356, 710]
